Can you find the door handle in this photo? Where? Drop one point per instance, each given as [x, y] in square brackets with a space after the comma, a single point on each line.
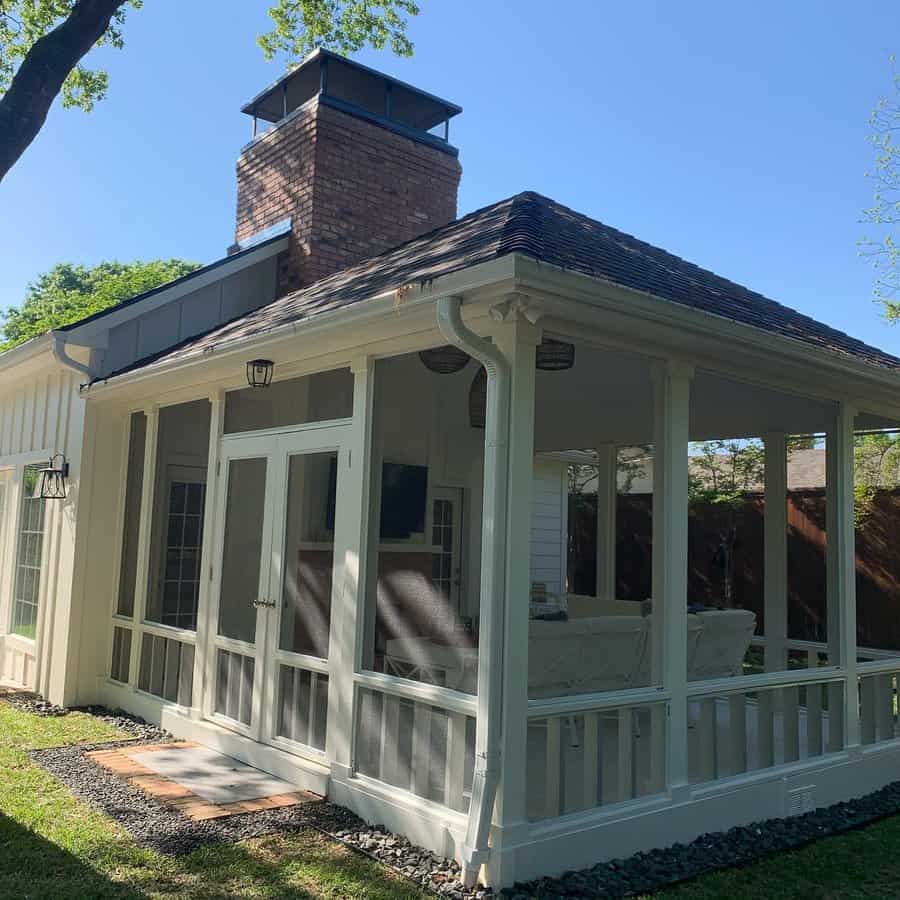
[264, 603]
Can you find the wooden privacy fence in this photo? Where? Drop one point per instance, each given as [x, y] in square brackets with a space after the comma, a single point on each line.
[877, 559]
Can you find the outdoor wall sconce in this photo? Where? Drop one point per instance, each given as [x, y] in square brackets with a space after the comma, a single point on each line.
[259, 372]
[444, 360]
[53, 478]
[554, 356]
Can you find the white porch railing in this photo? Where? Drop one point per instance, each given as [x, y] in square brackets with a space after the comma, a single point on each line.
[879, 682]
[754, 722]
[594, 750]
[419, 738]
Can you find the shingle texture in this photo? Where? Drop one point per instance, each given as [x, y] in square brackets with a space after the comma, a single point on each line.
[546, 231]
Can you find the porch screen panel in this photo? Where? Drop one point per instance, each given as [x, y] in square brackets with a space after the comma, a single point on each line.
[297, 401]
[131, 524]
[309, 554]
[29, 555]
[746, 731]
[423, 749]
[425, 530]
[179, 499]
[234, 686]
[120, 664]
[302, 706]
[167, 669]
[877, 515]
[595, 758]
[241, 555]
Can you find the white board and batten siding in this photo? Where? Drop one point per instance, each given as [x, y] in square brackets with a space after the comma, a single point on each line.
[41, 414]
[549, 525]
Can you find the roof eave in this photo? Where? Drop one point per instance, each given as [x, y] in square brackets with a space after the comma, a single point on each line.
[387, 303]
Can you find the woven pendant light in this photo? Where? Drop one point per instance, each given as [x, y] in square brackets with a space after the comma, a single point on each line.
[554, 356]
[444, 360]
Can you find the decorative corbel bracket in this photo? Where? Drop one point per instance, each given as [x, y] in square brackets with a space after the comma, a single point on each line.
[518, 307]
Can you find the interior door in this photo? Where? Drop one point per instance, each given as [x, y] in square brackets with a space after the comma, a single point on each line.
[281, 536]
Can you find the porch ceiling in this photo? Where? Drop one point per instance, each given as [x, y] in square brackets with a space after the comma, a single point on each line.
[608, 398]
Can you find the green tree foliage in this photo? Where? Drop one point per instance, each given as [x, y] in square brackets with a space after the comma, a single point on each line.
[342, 25]
[43, 44]
[23, 22]
[876, 465]
[722, 471]
[883, 247]
[69, 292]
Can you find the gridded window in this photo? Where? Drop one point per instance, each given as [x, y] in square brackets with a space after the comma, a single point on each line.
[29, 556]
[442, 536]
[184, 539]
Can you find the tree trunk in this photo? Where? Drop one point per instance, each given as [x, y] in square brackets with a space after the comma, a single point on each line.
[24, 107]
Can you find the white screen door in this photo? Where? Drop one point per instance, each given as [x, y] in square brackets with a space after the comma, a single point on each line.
[279, 540]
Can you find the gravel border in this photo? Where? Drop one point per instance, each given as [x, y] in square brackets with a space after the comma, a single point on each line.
[168, 831]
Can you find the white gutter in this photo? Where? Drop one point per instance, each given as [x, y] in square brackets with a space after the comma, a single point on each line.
[476, 850]
[58, 349]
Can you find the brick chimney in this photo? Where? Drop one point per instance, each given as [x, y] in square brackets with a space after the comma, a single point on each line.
[359, 162]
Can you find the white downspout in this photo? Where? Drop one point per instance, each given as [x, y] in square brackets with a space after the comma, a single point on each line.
[63, 358]
[493, 565]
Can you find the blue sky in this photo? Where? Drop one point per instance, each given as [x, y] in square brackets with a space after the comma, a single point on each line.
[733, 135]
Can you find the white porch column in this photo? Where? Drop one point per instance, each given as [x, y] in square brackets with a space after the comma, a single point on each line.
[205, 626]
[607, 488]
[145, 527]
[672, 386]
[841, 562]
[775, 552]
[517, 341]
[349, 598]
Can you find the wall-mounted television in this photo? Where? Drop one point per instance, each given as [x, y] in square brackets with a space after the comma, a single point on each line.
[404, 491]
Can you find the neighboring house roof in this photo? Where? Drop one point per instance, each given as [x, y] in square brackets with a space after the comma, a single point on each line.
[805, 469]
[544, 230]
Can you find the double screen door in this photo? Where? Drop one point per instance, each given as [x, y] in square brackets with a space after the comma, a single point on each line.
[279, 538]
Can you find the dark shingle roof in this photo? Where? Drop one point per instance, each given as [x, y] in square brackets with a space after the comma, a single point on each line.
[540, 228]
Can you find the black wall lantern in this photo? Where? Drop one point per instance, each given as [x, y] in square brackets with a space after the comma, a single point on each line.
[53, 478]
[259, 372]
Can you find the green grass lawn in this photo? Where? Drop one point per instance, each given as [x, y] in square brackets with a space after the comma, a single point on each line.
[52, 845]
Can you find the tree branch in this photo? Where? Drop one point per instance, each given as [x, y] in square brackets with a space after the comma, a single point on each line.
[24, 107]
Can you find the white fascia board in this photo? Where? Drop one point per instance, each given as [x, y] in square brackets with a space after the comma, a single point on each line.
[27, 351]
[393, 303]
[93, 333]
